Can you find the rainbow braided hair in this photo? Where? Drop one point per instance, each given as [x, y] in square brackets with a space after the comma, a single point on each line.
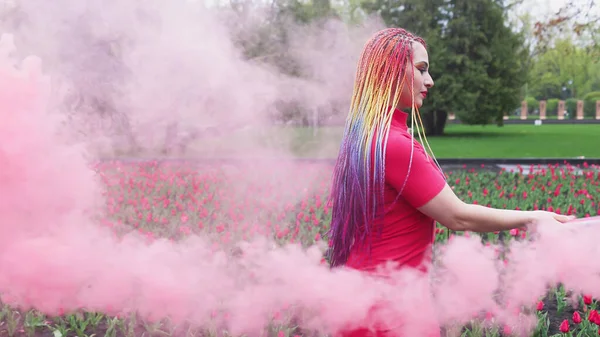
[359, 170]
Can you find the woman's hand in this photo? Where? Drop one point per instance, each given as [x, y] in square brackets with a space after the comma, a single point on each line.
[540, 217]
[548, 220]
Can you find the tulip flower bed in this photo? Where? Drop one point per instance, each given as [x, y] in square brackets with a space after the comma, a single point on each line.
[231, 203]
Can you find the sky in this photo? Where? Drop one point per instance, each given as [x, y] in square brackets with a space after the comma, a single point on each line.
[546, 8]
[542, 8]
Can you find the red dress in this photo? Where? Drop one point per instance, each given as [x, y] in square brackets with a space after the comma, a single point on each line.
[407, 234]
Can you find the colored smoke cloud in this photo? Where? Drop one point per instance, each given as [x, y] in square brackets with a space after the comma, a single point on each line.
[143, 76]
[54, 257]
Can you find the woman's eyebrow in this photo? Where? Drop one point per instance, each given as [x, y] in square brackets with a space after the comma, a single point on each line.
[422, 63]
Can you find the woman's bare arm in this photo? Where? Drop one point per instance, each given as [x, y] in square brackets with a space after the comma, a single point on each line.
[450, 211]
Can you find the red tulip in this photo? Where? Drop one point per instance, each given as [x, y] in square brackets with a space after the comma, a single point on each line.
[564, 326]
[576, 317]
[593, 316]
[540, 306]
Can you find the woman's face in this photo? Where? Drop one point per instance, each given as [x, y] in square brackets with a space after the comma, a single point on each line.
[422, 79]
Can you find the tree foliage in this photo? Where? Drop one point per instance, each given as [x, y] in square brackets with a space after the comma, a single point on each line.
[490, 64]
[576, 19]
[478, 63]
[563, 71]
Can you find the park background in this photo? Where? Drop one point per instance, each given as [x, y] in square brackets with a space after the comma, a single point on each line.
[222, 119]
[498, 68]
[283, 71]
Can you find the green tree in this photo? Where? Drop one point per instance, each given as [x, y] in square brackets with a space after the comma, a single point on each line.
[350, 11]
[492, 61]
[426, 18]
[565, 71]
[478, 63]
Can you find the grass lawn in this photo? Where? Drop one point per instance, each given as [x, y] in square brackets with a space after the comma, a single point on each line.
[518, 141]
[460, 141]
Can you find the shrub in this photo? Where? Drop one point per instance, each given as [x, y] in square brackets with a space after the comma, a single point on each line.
[571, 107]
[589, 107]
[552, 107]
[593, 96]
[532, 104]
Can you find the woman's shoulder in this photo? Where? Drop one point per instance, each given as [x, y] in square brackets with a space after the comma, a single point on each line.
[401, 136]
[401, 143]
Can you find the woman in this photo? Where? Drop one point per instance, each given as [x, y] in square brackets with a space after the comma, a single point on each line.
[387, 191]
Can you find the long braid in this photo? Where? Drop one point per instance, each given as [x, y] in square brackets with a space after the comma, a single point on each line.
[358, 179]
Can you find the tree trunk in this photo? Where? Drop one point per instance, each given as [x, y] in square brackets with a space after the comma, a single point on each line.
[435, 122]
[500, 120]
[171, 135]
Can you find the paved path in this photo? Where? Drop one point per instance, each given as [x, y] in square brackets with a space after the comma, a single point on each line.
[448, 164]
[545, 121]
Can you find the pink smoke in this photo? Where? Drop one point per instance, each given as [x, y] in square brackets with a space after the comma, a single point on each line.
[141, 77]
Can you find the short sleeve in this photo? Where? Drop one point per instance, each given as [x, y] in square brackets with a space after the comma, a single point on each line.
[424, 182]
